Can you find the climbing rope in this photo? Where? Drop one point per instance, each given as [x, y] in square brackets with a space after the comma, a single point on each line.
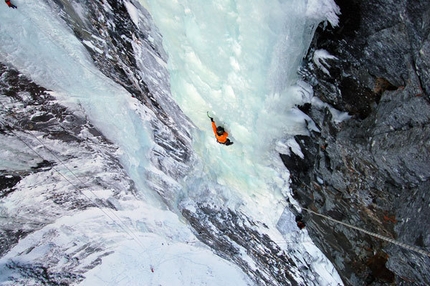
[401, 244]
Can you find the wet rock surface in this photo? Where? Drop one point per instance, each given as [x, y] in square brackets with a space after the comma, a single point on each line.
[372, 170]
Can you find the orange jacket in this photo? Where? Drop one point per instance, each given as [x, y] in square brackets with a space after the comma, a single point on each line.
[10, 4]
[220, 138]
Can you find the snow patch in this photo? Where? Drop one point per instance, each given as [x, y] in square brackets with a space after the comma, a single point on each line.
[323, 10]
[90, 45]
[338, 116]
[133, 12]
[320, 59]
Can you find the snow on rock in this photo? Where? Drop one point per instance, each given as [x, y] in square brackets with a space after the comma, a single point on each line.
[78, 218]
[133, 12]
[320, 59]
[149, 245]
[323, 10]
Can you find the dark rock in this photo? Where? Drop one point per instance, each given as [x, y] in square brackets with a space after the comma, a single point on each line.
[373, 170]
[43, 166]
[7, 182]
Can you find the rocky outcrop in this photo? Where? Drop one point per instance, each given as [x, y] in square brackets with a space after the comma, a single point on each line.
[372, 170]
[231, 234]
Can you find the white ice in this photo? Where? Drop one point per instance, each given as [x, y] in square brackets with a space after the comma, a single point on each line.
[238, 60]
[235, 59]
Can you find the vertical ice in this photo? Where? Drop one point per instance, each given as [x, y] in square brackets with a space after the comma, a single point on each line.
[238, 60]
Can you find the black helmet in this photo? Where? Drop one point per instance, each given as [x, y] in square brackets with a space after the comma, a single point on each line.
[219, 130]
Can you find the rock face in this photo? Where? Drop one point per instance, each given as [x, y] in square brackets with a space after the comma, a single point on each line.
[372, 170]
[230, 233]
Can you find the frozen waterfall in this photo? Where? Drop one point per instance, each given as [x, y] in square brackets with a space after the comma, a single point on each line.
[239, 61]
[236, 59]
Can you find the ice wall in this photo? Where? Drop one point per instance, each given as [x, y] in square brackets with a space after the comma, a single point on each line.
[238, 60]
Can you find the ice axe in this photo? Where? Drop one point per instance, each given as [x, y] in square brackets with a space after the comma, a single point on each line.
[209, 116]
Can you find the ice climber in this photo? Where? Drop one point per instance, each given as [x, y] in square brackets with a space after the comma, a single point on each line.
[10, 4]
[220, 134]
